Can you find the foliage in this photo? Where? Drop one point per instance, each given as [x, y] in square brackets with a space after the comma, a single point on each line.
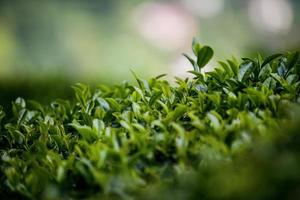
[222, 134]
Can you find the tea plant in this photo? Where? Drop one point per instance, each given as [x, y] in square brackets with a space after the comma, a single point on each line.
[143, 141]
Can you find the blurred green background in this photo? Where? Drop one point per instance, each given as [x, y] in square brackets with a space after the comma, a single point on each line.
[47, 45]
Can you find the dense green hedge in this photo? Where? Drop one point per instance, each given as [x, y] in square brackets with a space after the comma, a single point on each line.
[230, 133]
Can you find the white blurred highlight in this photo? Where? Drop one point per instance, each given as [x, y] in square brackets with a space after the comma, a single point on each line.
[271, 15]
[181, 66]
[165, 25]
[204, 8]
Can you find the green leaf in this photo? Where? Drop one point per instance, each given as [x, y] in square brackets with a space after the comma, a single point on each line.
[270, 59]
[204, 56]
[196, 68]
[2, 115]
[228, 69]
[98, 126]
[270, 83]
[178, 112]
[282, 69]
[85, 131]
[265, 72]
[278, 78]
[196, 46]
[103, 103]
[160, 76]
[246, 68]
[214, 119]
[82, 93]
[36, 105]
[293, 78]
[140, 83]
[114, 104]
[234, 67]
[292, 59]
[154, 97]
[197, 74]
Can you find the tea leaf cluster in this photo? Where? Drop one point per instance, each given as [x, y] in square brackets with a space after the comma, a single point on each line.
[118, 141]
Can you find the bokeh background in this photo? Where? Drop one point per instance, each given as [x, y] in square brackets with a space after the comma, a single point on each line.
[47, 45]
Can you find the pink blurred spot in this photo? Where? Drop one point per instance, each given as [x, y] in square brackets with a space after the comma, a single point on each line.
[165, 25]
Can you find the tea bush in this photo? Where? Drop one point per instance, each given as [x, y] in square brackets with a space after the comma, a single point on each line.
[226, 134]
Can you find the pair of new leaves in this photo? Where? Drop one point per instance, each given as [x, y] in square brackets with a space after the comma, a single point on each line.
[203, 55]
